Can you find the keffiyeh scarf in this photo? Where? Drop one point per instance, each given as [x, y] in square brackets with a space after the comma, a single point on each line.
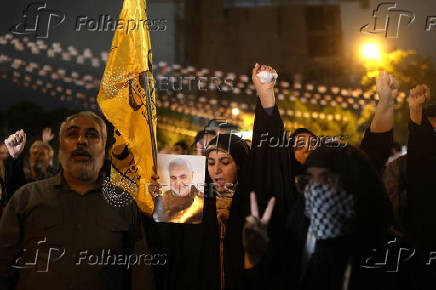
[330, 211]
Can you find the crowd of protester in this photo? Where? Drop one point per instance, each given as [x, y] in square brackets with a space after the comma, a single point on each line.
[304, 216]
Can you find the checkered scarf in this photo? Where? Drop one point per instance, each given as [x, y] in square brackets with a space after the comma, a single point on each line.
[330, 211]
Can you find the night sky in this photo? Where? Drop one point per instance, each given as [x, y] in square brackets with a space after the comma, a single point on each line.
[163, 42]
[65, 34]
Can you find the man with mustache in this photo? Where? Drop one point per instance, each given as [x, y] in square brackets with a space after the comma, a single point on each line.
[60, 233]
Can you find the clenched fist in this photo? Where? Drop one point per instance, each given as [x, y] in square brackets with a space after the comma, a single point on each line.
[419, 96]
[265, 91]
[387, 87]
[15, 143]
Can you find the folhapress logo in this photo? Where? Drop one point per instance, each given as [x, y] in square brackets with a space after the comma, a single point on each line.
[388, 19]
[38, 20]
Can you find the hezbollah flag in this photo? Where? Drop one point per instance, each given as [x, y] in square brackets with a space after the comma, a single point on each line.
[127, 99]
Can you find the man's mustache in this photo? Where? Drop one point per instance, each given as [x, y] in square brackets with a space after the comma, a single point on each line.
[80, 152]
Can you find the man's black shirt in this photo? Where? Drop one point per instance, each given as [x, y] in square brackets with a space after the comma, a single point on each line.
[74, 239]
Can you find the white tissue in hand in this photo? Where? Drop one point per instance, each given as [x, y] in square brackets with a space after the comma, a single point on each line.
[266, 76]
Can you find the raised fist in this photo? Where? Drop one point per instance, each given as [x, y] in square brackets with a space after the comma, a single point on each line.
[15, 143]
[419, 96]
[265, 91]
[387, 87]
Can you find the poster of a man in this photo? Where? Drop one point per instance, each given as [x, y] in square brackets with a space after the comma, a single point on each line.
[181, 176]
[181, 197]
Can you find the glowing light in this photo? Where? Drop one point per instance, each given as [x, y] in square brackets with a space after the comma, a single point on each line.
[235, 111]
[371, 51]
[247, 135]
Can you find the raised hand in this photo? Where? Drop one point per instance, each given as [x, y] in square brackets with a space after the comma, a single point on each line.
[417, 98]
[387, 90]
[387, 87]
[265, 91]
[15, 143]
[47, 135]
[154, 186]
[254, 234]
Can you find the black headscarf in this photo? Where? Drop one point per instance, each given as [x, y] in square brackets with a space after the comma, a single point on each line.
[232, 144]
[297, 167]
[359, 177]
[233, 251]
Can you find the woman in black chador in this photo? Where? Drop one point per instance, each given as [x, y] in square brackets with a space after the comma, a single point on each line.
[326, 221]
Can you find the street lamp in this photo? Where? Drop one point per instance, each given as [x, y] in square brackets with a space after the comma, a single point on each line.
[371, 54]
[235, 112]
[371, 51]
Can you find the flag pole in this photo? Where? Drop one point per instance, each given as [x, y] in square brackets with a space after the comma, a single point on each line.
[145, 86]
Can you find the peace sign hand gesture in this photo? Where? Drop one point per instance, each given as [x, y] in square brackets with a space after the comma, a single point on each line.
[254, 234]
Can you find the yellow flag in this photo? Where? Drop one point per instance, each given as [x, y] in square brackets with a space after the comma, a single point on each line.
[127, 99]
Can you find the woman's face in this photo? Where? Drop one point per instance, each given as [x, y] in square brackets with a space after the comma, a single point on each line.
[324, 176]
[303, 147]
[222, 170]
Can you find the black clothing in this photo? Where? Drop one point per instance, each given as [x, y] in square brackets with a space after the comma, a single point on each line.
[274, 169]
[193, 250]
[234, 145]
[395, 179]
[16, 175]
[421, 191]
[81, 228]
[197, 251]
[179, 242]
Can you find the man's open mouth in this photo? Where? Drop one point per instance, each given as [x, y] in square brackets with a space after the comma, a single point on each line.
[81, 155]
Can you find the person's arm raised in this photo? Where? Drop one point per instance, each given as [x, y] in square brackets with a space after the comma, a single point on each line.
[265, 91]
[387, 90]
[417, 98]
[270, 161]
[15, 143]
[254, 234]
[47, 135]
